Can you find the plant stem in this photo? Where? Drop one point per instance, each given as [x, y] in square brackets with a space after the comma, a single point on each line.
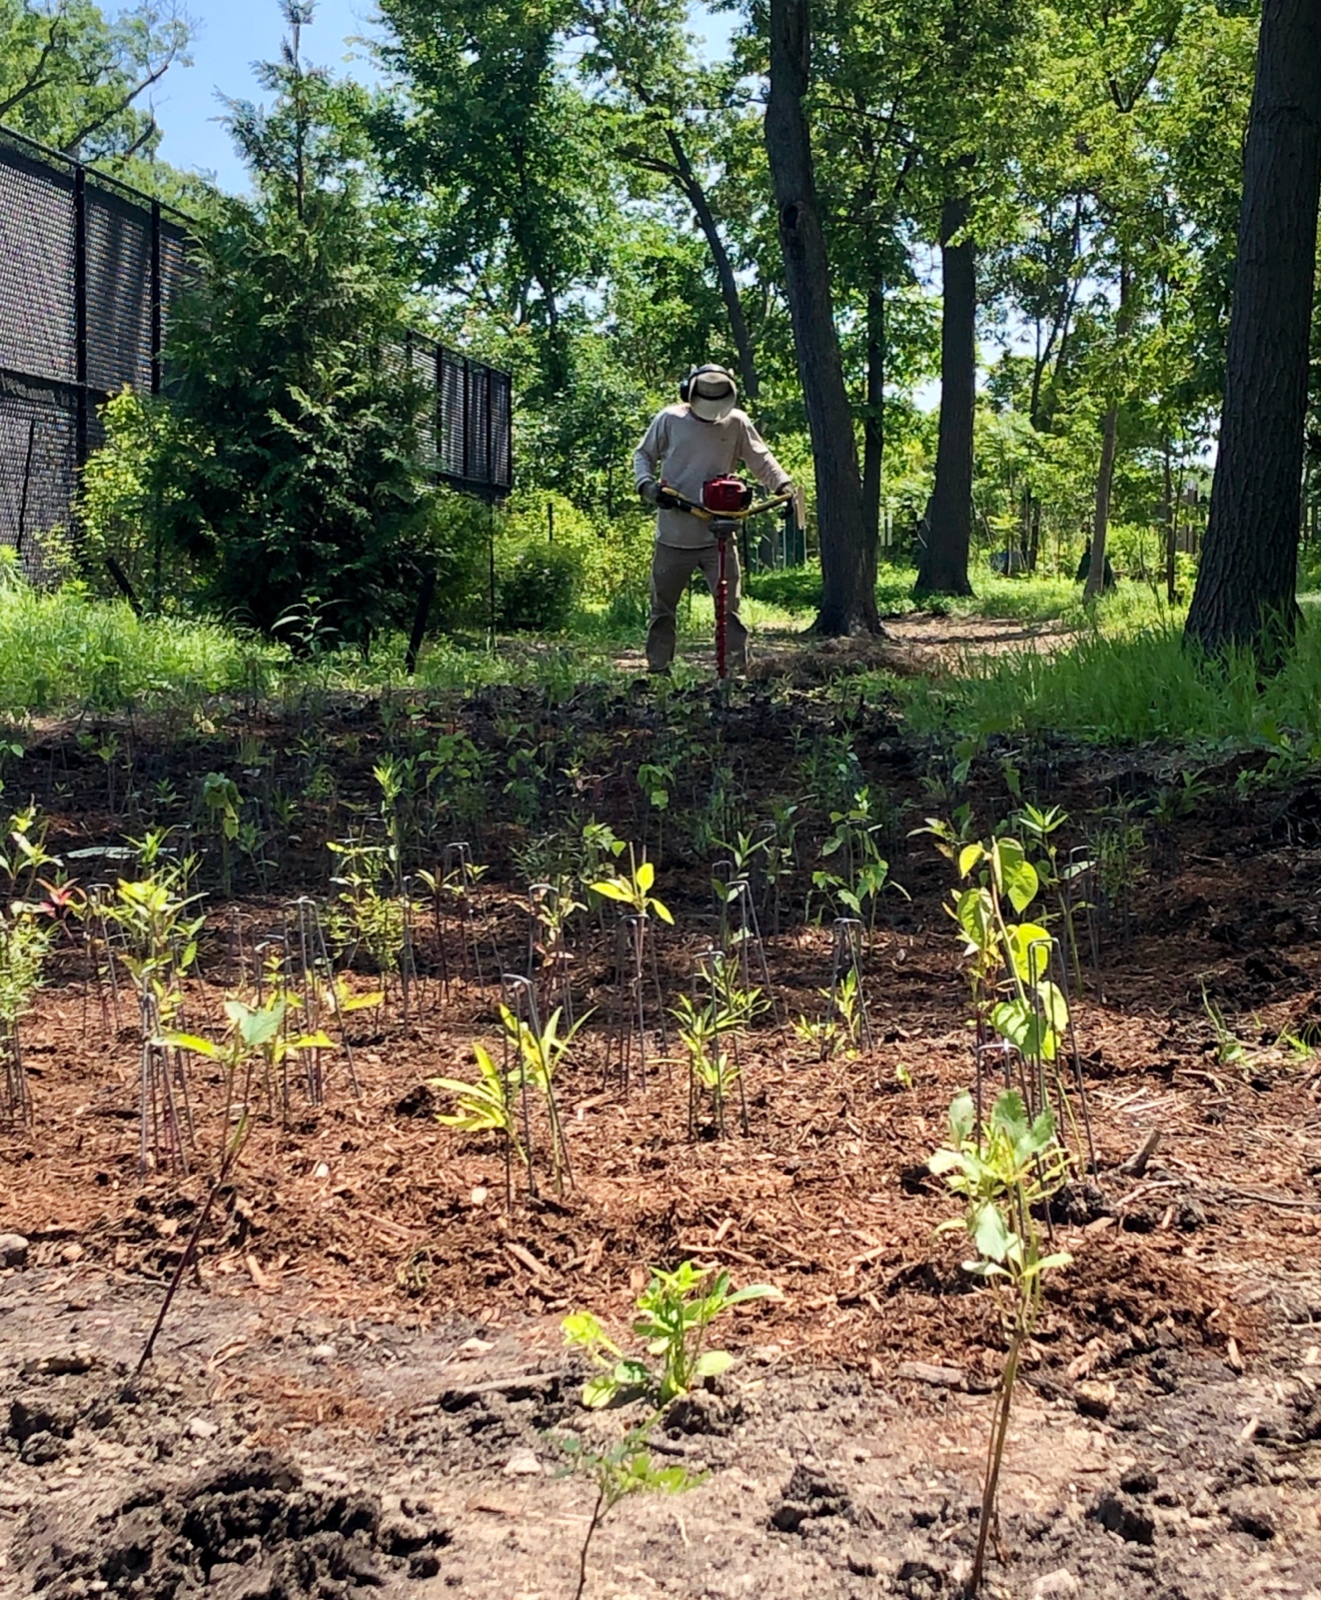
[999, 1434]
[592, 1526]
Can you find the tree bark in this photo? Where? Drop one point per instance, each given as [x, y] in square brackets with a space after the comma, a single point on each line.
[944, 565]
[1105, 472]
[1245, 593]
[848, 599]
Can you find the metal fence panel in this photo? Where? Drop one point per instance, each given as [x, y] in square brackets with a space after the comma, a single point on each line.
[89, 270]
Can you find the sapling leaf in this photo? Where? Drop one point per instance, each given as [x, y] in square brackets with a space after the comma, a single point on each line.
[991, 1233]
[645, 875]
[191, 1041]
[1029, 945]
[661, 910]
[257, 1028]
[599, 1392]
[711, 1363]
[969, 856]
[612, 889]
[754, 1291]
[962, 1119]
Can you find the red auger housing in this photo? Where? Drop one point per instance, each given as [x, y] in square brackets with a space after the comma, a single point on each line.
[726, 495]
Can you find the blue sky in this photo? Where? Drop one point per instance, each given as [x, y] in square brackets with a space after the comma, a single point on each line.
[232, 34]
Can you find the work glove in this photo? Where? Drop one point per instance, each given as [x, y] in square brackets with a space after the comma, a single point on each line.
[650, 491]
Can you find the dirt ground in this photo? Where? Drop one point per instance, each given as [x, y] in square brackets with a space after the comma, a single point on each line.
[361, 1388]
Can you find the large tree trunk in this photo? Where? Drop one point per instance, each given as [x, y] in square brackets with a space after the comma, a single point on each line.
[848, 599]
[1245, 593]
[943, 568]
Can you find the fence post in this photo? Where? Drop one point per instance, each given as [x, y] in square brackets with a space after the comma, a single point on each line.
[80, 312]
[467, 417]
[155, 297]
[489, 474]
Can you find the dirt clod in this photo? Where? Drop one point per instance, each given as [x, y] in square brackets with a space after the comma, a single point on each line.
[1118, 1514]
[807, 1495]
[247, 1531]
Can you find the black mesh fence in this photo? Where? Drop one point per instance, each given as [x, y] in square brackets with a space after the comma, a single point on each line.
[89, 269]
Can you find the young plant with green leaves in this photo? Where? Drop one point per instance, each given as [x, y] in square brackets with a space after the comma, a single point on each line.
[675, 1312]
[1005, 1171]
[626, 1468]
[634, 889]
[256, 1039]
[843, 1024]
[853, 845]
[498, 1101]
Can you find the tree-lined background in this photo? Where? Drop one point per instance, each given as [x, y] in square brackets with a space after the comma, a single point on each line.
[972, 260]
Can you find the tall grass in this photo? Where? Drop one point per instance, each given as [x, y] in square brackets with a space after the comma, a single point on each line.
[1127, 687]
[62, 650]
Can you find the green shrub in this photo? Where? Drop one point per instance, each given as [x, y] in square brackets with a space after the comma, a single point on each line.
[537, 589]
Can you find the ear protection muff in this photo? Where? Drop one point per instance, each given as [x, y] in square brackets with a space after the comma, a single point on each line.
[686, 384]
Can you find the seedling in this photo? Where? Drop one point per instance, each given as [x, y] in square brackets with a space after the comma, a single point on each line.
[1003, 1171]
[626, 1468]
[256, 1035]
[498, 1101]
[675, 1311]
[1230, 1049]
[631, 945]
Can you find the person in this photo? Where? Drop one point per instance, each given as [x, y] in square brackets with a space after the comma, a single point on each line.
[704, 436]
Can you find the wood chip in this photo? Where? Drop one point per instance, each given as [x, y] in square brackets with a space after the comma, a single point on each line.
[525, 1258]
[1232, 1355]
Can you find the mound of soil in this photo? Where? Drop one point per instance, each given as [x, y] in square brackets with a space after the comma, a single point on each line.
[245, 1530]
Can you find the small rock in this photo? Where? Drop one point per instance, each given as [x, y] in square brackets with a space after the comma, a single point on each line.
[202, 1427]
[1094, 1398]
[1053, 1585]
[71, 1253]
[474, 1347]
[860, 1564]
[928, 1372]
[323, 1352]
[13, 1250]
[424, 1564]
[523, 1464]
[402, 1536]
[321, 1170]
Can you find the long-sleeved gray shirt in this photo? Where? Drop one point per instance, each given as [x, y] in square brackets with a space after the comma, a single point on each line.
[684, 452]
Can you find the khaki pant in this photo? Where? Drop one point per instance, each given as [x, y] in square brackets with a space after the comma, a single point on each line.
[671, 569]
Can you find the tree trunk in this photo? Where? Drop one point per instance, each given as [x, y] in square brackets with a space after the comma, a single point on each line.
[943, 568]
[848, 600]
[691, 185]
[873, 424]
[1105, 473]
[1245, 592]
